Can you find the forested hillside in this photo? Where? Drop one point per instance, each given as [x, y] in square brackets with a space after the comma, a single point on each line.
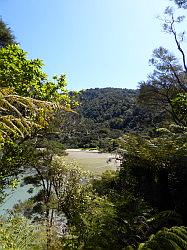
[107, 113]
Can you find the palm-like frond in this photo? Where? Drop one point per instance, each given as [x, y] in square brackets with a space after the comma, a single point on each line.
[20, 115]
[174, 238]
[165, 219]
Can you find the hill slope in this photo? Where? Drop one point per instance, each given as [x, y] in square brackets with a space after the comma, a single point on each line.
[104, 114]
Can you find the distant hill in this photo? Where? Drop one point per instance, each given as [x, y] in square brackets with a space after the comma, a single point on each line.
[104, 114]
[107, 105]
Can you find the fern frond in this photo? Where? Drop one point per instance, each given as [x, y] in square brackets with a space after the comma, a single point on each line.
[11, 126]
[165, 219]
[181, 232]
[165, 243]
[19, 115]
[8, 106]
[174, 238]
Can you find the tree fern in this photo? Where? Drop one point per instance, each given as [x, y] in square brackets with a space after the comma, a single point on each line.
[166, 218]
[20, 115]
[174, 238]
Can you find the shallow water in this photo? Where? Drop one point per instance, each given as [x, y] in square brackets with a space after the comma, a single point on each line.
[21, 193]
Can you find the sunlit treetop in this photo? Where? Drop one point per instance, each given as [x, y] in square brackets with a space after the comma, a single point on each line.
[27, 77]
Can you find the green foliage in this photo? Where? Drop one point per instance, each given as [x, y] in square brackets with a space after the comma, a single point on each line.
[105, 114]
[91, 228]
[167, 80]
[27, 78]
[27, 103]
[21, 115]
[60, 183]
[155, 150]
[107, 184]
[6, 36]
[169, 77]
[27, 98]
[155, 169]
[24, 75]
[180, 107]
[19, 233]
[131, 212]
[174, 238]
[100, 104]
[164, 219]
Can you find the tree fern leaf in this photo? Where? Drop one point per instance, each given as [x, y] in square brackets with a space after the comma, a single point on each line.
[19, 115]
[11, 107]
[180, 232]
[167, 239]
[176, 239]
[165, 243]
[6, 129]
[13, 127]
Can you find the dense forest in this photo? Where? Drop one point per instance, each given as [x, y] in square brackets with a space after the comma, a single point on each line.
[105, 114]
[142, 204]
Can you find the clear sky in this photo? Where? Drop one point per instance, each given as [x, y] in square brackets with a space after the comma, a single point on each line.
[97, 43]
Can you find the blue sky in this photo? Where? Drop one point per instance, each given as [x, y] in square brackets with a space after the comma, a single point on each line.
[97, 43]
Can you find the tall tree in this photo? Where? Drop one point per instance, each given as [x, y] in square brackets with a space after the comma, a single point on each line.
[6, 35]
[169, 77]
[169, 23]
[181, 3]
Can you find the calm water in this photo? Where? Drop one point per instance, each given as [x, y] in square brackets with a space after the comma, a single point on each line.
[21, 193]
